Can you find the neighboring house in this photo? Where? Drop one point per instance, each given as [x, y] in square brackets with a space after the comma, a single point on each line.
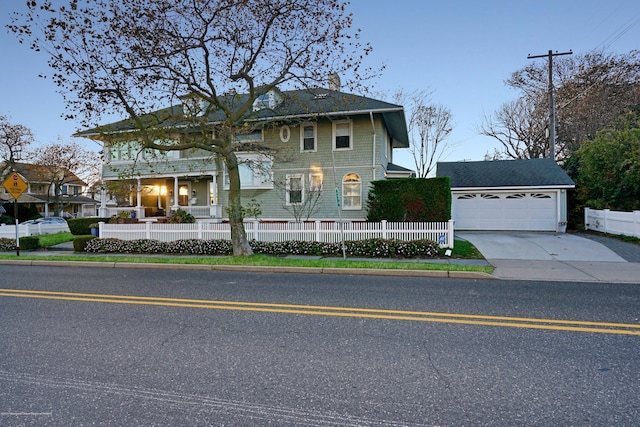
[528, 194]
[41, 193]
[306, 148]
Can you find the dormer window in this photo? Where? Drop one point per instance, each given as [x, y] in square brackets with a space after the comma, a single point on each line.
[269, 100]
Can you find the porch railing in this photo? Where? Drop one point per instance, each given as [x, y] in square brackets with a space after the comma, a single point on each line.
[212, 212]
[319, 231]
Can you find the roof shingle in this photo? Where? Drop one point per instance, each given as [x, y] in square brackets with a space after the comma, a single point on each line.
[505, 173]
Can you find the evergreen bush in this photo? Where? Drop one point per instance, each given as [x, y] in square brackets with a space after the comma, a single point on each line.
[80, 242]
[410, 199]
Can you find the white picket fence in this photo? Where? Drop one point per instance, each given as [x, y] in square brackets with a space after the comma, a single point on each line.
[319, 231]
[612, 222]
[9, 231]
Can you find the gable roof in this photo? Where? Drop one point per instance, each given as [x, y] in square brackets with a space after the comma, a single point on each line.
[505, 173]
[296, 104]
[37, 174]
[397, 171]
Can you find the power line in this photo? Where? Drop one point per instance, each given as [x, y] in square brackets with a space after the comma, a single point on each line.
[621, 31]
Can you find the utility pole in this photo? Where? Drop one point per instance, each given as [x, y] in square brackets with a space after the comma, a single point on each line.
[552, 111]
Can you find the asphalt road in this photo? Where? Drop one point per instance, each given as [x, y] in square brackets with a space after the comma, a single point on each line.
[180, 350]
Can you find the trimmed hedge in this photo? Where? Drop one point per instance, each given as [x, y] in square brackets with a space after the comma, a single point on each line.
[371, 248]
[30, 243]
[80, 242]
[410, 199]
[80, 226]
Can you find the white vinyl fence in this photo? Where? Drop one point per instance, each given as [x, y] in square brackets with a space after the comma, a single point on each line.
[319, 231]
[612, 222]
[9, 231]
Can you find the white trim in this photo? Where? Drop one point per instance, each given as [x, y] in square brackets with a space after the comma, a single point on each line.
[315, 137]
[515, 188]
[285, 130]
[288, 185]
[359, 183]
[334, 134]
[311, 176]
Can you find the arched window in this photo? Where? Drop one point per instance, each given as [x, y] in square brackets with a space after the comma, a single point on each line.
[351, 192]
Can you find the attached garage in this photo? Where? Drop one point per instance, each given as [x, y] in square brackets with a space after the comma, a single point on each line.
[522, 195]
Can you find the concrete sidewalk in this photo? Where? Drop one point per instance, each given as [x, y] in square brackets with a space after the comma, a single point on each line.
[557, 257]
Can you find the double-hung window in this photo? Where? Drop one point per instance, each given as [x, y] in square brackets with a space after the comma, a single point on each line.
[295, 189]
[342, 135]
[308, 137]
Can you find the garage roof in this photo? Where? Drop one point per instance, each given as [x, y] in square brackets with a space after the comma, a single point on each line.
[505, 173]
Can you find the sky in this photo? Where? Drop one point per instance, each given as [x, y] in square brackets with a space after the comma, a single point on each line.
[461, 50]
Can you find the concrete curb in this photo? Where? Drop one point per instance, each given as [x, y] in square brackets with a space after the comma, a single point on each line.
[258, 269]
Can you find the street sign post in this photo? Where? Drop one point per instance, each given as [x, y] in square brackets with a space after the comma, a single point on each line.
[15, 185]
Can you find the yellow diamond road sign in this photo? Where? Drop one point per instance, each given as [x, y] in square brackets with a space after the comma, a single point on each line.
[15, 185]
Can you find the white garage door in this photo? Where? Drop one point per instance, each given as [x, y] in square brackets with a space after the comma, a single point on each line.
[505, 211]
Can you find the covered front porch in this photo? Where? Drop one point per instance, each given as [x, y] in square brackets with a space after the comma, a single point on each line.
[155, 198]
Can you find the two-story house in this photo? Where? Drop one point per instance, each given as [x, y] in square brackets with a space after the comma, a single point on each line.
[41, 191]
[308, 151]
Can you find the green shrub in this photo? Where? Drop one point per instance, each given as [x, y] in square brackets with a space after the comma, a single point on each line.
[30, 243]
[80, 226]
[6, 219]
[180, 216]
[410, 199]
[371, 248]
[80, 243]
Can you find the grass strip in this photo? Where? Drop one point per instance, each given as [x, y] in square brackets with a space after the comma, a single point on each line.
[259, 260]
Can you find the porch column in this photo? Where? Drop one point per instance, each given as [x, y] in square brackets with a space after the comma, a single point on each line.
[102, 211]
[213, 197]
[139, 208]
[175, 193]
[138, 194]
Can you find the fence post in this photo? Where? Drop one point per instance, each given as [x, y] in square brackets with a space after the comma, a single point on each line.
[100, 224]
[450, 237]
[147, 227]
[199, 230]
[317, 222]
[383, 225]
[256, 224]
[586, 218]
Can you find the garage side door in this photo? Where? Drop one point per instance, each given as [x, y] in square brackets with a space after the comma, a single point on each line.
[505, 211]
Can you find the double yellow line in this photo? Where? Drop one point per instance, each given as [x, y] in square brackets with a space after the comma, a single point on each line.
[366, 313]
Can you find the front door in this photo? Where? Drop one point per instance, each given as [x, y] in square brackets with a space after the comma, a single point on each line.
[183, 195]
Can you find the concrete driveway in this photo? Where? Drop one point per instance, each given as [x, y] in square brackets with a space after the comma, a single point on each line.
[551, 256]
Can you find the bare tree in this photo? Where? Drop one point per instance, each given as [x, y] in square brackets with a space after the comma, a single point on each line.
[300, 202]
[134, 57]
[521, 129]
[14, 140]
[429, 127]
[62, 164]
[591, 90]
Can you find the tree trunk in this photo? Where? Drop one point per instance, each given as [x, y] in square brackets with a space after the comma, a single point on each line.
[238, 234]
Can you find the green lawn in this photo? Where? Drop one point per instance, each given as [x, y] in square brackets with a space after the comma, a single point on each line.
[47, 240]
